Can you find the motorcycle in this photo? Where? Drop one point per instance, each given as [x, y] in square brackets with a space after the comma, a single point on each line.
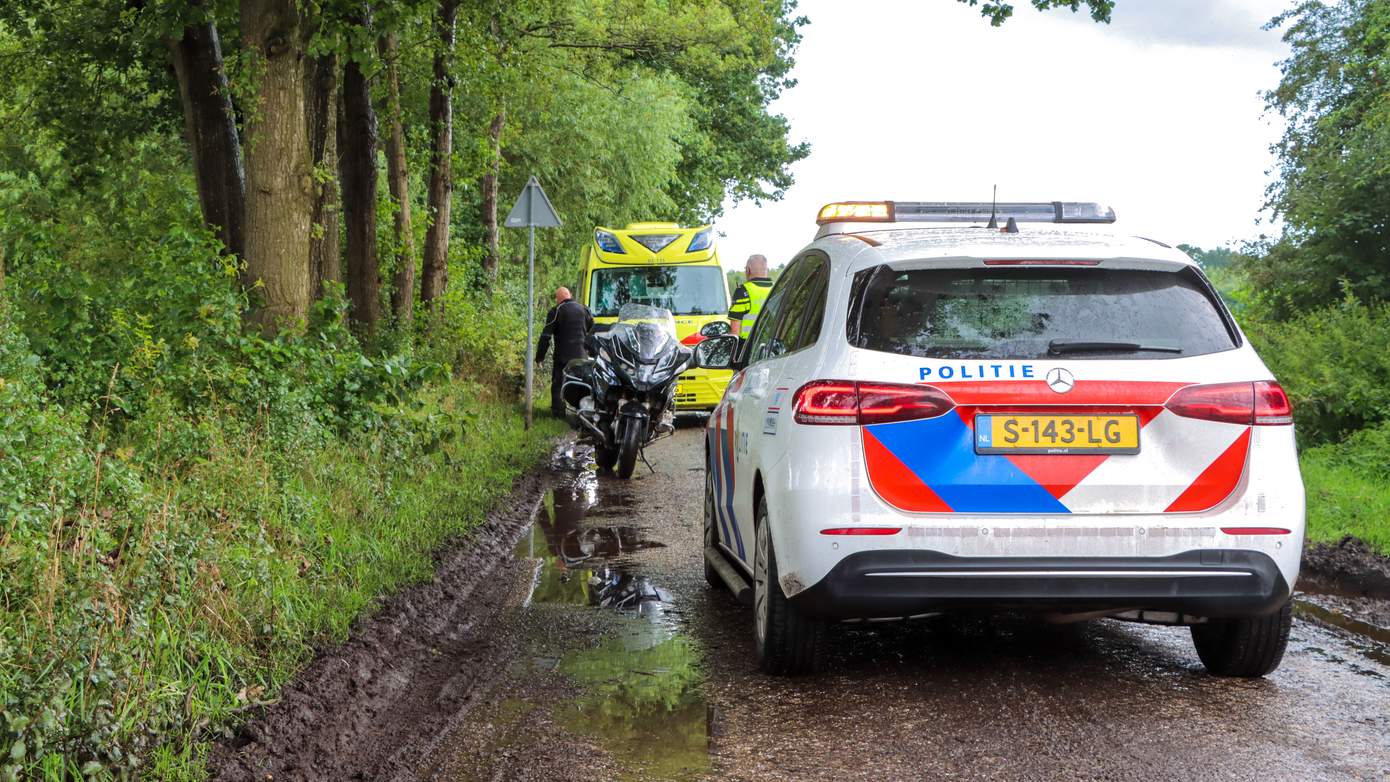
[623, 398]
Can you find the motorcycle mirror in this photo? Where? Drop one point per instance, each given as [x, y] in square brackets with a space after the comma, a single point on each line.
[716, 352]
[715, 328]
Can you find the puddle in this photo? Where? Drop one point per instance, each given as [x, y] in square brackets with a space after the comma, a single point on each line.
[1371, 641]
[642, 699]
[582, 559]
[642, 685]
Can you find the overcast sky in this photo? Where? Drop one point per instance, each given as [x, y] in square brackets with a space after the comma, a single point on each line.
[1159, 114]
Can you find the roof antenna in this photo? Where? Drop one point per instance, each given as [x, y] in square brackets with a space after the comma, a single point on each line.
[1011, 227]
[993, 208]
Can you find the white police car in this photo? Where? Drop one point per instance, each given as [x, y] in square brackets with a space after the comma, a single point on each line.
[1051, 419]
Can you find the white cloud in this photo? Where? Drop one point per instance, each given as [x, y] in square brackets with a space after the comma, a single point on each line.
[923, 100]
[1233, 24]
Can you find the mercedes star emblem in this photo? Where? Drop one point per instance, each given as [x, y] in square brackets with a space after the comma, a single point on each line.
[1060, 380]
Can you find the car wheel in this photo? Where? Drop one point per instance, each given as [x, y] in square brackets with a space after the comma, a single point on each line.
[711, 576]
[1250, 646]
[787, 642]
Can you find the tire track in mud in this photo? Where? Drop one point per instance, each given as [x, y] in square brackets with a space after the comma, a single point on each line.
[371, 708]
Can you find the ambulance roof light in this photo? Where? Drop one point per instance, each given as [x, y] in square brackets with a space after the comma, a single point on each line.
[964, 212]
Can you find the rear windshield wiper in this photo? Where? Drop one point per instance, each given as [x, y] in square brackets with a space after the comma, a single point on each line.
[1058, 347]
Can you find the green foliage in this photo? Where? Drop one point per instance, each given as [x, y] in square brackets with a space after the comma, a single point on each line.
[1215, 258]
[997, 11]
[1335, 364]
[1346, 489]
[1220, 266]
[157, 601]
[1333, 190]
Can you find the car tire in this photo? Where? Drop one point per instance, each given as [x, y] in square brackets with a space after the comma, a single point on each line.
[787, 642]
[711, 575]
[1248, 647]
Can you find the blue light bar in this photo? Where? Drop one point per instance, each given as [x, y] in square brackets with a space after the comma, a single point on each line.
[981, 211]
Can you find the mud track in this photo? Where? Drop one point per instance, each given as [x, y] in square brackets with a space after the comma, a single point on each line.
[586, 645]
[372, 707]
[1349, 566]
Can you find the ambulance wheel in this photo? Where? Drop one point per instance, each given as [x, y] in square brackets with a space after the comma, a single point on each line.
[787, 642]
[1248, 647]
[711, 575]
[629, 443]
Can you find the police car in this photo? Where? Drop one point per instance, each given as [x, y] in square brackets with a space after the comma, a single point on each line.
[938, 414]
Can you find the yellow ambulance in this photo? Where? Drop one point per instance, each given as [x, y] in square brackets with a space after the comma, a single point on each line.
[661, 265]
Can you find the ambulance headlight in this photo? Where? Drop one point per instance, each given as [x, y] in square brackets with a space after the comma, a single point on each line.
[607, 242]
[702, 241]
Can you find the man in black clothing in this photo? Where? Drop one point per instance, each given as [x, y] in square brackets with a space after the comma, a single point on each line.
[568, 322]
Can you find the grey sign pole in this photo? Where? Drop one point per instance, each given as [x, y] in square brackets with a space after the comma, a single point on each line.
[532, 210]
[530, 306]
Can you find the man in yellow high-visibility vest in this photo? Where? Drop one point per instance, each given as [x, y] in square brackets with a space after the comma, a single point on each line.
[749, 297]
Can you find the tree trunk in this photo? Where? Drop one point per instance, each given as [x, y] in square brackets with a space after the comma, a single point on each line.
[434, 275]
[357, 151]
[279, 189]
[325, 251]
[398, 178]
[210, 123]
[491, 254]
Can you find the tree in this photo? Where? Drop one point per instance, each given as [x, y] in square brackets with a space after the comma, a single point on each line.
[321, 116]
[1333, 186]
[357, 144]
[997, 11]
[278, 169]
[488, 186]
[398, 178]
[210, 122]
[434, 274]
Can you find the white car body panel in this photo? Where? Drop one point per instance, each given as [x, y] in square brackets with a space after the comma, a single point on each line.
[818, 476]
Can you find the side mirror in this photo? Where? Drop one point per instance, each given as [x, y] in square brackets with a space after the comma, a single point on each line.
[716, 352]
[715, 328]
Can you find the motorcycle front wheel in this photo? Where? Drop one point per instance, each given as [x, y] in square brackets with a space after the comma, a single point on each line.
[629, 443]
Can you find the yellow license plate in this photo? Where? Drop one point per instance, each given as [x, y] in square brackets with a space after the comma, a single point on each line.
[1057, 434]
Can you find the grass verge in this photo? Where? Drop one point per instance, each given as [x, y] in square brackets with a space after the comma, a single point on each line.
[1348, 486]
[131, 640]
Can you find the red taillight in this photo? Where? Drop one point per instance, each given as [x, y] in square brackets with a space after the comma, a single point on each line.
[847, 402]
[881, 404]
[1272, 406]
[1263, 403]
[862, 531]
[1255, 531]
[1231, 403]
[827, 402]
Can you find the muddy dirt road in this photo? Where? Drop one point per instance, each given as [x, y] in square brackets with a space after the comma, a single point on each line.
[620, 663]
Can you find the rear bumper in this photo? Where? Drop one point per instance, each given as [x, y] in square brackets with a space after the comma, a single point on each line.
[901, 583]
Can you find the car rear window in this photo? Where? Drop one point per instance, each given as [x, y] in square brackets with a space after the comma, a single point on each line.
[1032, 313]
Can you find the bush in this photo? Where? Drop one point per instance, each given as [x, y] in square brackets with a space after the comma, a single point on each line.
[1335, 364]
